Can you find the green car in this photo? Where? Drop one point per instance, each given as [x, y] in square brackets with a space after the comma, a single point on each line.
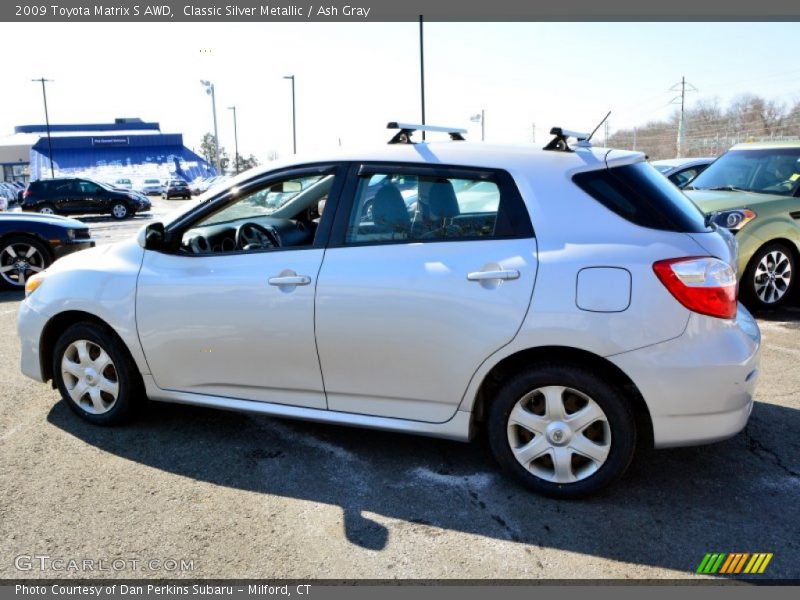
[754, 191]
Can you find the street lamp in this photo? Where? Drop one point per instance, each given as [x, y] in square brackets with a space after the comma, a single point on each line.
[210, 91]
[482, 119]
[235, 139]
[47, 124]
[294, 121]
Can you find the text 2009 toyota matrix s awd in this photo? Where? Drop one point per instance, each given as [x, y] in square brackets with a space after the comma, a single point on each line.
[569, 300]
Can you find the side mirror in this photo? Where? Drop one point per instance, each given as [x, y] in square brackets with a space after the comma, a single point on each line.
[152, 236]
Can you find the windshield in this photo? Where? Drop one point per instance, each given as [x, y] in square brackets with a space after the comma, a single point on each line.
[764, 171]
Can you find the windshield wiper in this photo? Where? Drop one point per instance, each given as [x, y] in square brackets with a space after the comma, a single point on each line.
[726, 188]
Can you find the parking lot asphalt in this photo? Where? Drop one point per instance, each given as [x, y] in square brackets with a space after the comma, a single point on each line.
[244, 496]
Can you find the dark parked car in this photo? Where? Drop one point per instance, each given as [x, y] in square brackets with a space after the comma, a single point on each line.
[72, 195]
[30, 243]
[176, 188]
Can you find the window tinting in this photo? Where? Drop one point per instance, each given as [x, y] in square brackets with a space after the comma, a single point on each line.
[643, 196]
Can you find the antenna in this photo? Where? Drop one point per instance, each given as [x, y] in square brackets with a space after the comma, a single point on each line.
[598, 127]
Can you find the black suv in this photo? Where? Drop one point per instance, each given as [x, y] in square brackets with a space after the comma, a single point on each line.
[176, 188]
[71, 195]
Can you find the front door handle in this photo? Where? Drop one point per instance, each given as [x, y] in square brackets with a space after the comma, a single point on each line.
[504, 274]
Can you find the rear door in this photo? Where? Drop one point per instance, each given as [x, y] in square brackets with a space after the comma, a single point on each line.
[429, 271]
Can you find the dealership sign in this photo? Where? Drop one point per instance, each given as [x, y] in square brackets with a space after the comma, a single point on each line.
[111, 141]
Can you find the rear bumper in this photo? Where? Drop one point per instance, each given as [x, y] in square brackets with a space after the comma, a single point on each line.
[698, 387]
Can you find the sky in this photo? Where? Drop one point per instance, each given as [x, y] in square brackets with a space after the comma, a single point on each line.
[352, 78]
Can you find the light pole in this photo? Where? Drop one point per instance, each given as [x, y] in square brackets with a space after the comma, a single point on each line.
[210, 91]
[422, 73]
[482, 118]
[294, 120]
[235, 139]
[47, 125]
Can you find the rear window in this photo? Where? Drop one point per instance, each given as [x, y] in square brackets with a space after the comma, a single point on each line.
[641, 195]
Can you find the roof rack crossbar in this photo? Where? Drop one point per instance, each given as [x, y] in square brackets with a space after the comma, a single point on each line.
[406, 129]
[559, 142]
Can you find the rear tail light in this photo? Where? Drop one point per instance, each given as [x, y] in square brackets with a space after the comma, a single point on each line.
[25, 194]
[702, 284]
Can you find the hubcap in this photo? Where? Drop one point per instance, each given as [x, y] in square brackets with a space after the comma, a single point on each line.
[90, 377]
[120, 211]
[18, 262]
[773, 276]
[559, 434]
[46, 210]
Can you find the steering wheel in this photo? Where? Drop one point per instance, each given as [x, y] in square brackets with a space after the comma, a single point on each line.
[252, 236]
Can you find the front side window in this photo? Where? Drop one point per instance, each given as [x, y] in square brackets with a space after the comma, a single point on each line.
[283, 213]
[417, 207]
[87, 187]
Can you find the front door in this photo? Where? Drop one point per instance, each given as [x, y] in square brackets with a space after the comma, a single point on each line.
[230, 311]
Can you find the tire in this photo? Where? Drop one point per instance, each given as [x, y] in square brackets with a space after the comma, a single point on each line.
[594, 418]
[21, 251]
[769, 278]
[46, 209]
[120, 210]
[77, 361]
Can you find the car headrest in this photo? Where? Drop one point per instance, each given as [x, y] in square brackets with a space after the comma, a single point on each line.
[442, 200]
[389, 210]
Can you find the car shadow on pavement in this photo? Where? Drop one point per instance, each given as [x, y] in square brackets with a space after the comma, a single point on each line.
[671, 508]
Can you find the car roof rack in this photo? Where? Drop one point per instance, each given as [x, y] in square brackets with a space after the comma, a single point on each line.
[559, 142]
[406, 129]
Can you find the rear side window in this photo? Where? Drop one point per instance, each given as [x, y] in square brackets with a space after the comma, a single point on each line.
[641, 195]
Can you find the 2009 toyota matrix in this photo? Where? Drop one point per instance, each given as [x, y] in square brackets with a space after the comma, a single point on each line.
[569, 300]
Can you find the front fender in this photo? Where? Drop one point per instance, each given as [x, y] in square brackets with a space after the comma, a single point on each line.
[101, 282]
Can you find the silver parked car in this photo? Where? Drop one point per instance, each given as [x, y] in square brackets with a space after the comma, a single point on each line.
[570, 301]
[681, 171]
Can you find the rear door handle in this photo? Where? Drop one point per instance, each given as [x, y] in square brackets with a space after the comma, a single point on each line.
[504, 274]
[289, 280]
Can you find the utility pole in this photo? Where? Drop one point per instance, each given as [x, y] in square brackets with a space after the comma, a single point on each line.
[47, 125]
[605, 135]
[634, 139]
[235, 138]
[422, 73]
[684, 87]
[533, 132]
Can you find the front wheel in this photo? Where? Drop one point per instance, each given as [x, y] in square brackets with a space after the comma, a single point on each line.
[21, 257]
[95, 375]
[119, 210]
[561, 431]
[769, 277]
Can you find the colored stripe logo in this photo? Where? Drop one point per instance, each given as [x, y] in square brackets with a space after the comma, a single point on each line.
[734, 563]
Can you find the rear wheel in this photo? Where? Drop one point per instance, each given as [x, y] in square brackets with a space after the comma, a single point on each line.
[46, 209]
[95, 375]
[21, 257]
[561, 431]
[769, 277]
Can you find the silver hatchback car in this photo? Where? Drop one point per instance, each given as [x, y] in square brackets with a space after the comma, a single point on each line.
[570, 301]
